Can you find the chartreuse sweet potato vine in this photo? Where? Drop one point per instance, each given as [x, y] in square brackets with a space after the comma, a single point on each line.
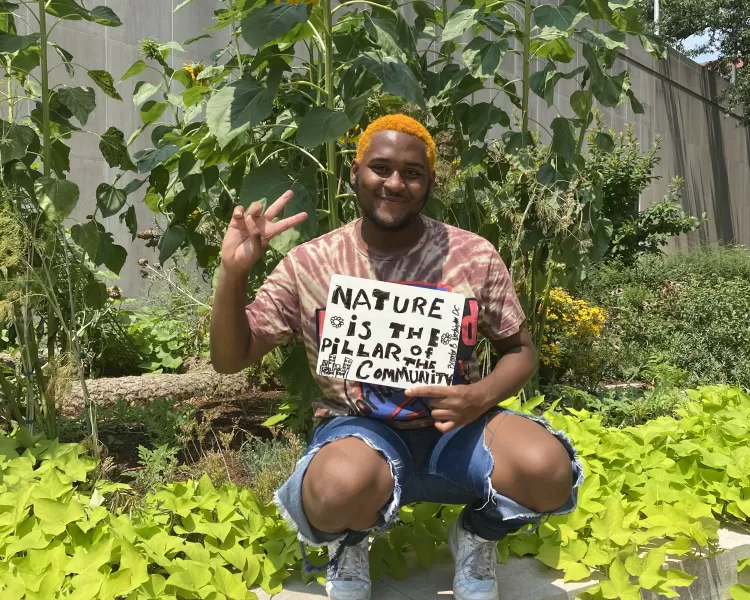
[652, 492]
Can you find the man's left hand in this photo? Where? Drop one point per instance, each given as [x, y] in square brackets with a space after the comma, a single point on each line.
[453, 406]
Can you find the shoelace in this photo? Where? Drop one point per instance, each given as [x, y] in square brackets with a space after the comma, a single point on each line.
[482, 558]
[350, 564]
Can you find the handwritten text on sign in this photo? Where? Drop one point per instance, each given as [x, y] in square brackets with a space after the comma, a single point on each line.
[389, 334]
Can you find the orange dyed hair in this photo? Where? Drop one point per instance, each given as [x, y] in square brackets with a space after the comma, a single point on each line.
[401, 123]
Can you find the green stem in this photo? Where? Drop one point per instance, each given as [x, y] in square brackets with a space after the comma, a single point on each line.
[10, 97]
[333, 206]
[352, 2]
[47, 158]
[526, 68]
[47, 149]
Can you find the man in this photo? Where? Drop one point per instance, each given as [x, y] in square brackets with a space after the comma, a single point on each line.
[378, 448]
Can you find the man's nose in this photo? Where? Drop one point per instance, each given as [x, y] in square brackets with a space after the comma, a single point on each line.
[394, 183]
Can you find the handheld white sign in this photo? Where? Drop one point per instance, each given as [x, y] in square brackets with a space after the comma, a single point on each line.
[389, 334]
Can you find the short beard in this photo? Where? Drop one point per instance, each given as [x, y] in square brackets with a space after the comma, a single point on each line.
[398, 225]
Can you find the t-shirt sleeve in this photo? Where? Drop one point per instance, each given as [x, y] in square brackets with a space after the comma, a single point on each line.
[502, 314]
[274, 315]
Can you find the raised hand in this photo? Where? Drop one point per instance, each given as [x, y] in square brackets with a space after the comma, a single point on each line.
[250, 232]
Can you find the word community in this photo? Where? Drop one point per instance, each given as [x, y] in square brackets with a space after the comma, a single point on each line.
[389, 334]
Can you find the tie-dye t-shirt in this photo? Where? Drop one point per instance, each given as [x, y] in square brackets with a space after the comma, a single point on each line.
[291, 304]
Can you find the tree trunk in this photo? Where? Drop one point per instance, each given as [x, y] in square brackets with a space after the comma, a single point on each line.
[143, 389]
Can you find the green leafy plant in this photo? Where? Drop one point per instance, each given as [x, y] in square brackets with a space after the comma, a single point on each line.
[50, 269]
[652, 493]
[626, 171]
[269, 463]
[157, 467]
[691, 309]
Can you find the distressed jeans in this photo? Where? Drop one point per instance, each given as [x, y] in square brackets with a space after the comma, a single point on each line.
[427, 466]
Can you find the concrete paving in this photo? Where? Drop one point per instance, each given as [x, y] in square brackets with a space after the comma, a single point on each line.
[528, 579]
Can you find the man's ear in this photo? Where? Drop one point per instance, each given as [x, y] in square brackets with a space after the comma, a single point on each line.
[353, 173]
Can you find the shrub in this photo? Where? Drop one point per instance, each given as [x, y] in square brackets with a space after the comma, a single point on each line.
[573, 347]
[692, 310]
[625, 171]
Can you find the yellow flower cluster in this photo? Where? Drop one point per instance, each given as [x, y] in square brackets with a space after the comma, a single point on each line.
[195, 69]
[569, 319]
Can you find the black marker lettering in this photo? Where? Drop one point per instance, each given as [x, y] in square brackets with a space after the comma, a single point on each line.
[415, 333]
[368, 335]
[392, 351]
[380, 298]
[435, 308]
[418, 305]
[365, 364]
[352, 326]
[396, 308]
[362, 300]
[397, 329]
[344, 297]
[434, 337]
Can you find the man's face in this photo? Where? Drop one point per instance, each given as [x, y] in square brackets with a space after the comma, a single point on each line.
[393, 179]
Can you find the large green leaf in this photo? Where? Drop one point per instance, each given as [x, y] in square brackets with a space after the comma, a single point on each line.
[113, 149]
[103, 15]
[72, 11]
[563, 138]
[321, 125]
[60, 158]
[557, 49]
[580, 102]
[171, 241]
[66, 58]
[396, 76]
[543, 82]
[477, 119]
[10, 43]
[14, 140]
[87, 237]
[463, 18]
[611, 40]
[609, 91]
[483, 57]
[56, 197]
[152, 111]
[296, 376]
[147, 160]
[560, 18]
[111, 255]
[109, 199]
[271, 21]
[236, 108]
[143, 91]
[264, 184]
[105, 83]
[81, 101]
[135, 69]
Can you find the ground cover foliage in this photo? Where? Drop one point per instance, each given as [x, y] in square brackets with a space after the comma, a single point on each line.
[659, 490]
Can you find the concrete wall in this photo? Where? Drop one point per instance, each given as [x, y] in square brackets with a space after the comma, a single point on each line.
[710, 150]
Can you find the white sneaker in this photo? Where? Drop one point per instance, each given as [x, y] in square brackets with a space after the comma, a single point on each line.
[350, 579]
[475, 560]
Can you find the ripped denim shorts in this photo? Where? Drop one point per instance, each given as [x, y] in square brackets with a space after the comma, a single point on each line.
[427, 466]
